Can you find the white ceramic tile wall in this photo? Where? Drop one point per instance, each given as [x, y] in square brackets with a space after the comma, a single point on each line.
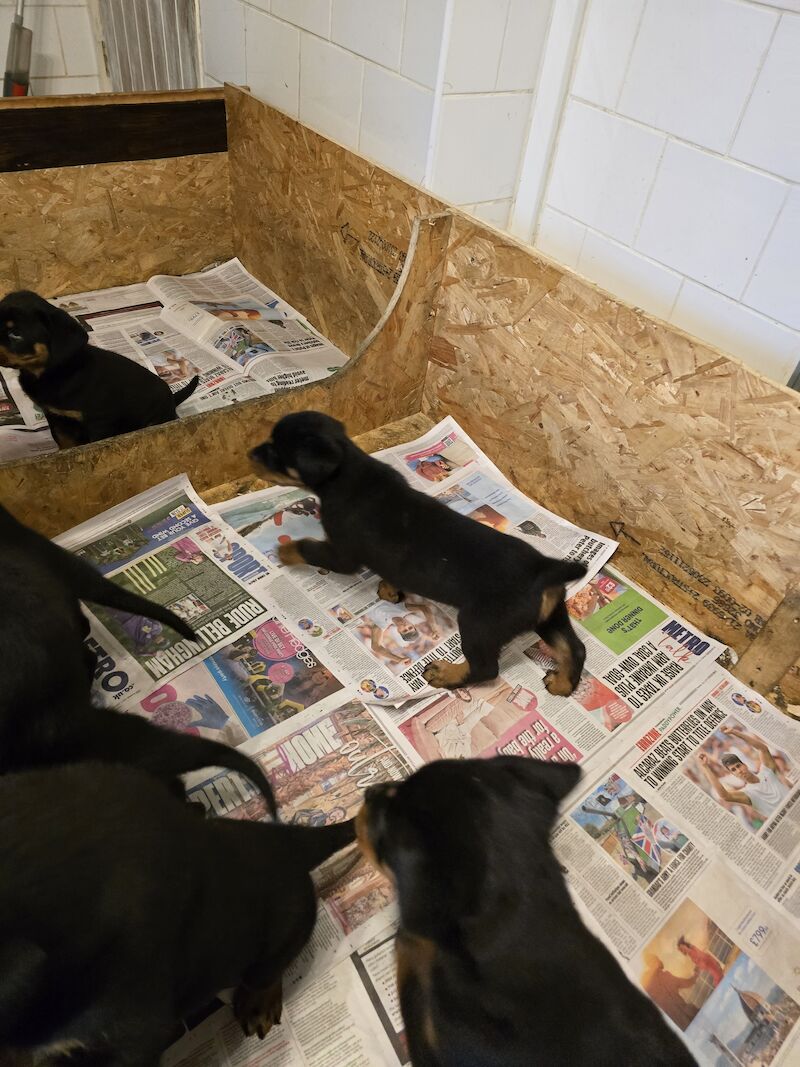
[330, 89]
[479, 146]
[65, 57]
[674, 181]
[395, 122]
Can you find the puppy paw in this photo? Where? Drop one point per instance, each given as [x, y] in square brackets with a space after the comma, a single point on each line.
[446, 675]
[290, 554]
[258, 1010]
[386, 591]
[558, 684]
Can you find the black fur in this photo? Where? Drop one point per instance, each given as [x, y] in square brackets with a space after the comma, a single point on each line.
[418, 545]
[120, 911]
[495, 967]
[61, 371]
[46, 716]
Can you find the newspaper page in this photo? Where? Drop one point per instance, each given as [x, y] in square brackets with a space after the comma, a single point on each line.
[166, 546]
[234, 315]
[348, 1016]
[385, 647]
[221, 324]
[24, 432]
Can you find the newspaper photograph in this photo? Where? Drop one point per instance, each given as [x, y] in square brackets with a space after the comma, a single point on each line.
[319, 764]
[165, 546]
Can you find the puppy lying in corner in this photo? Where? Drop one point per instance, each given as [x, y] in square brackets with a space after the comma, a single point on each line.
[373, 518]
[121, 911]
[494, 966]
[87, 393]
[46, 715]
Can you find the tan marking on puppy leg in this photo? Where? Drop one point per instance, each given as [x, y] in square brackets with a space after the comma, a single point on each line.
[386, 591]
[446, 675]
[289, 554]
[258, 1010]
[415, 958]
[65, 413]
[558, 681]
[549, 601]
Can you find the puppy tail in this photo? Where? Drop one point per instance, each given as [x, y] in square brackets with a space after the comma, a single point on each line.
[184, 393]
[88, 584]
[315, 844]
[22, 973]
[550, 585]
[115, 737]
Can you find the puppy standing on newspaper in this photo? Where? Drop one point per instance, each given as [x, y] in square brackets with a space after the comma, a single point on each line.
[501, 586]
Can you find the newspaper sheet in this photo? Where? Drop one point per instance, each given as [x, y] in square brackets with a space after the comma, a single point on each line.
[681, 844]
[23, 427]
[384, 648]
[222, 324]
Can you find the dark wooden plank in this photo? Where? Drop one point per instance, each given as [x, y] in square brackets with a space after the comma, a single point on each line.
[36, 138]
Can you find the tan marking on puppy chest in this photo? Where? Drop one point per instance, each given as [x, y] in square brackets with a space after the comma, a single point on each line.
[446, 675]
[289, 554]
[275, 476]
[558, 681]
[416, 957]
[389, 592]
[549, 601]
[362, 836]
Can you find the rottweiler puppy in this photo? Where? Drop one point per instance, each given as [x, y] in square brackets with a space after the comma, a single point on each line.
[494, 966]
[46, 715]
[500, 585]
[120, 912]
[87, 393]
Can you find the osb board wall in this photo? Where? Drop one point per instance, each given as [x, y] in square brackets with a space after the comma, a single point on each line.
[323, 227]
[69, 229]
[381, 384]
[625, 426]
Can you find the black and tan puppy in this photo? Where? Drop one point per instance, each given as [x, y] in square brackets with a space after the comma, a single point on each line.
[373, 518]
[494, 966]
[87, 393]
[120, 911]
[46, 715]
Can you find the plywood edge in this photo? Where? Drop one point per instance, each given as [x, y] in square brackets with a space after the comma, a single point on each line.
[380, 385]
[23, 103]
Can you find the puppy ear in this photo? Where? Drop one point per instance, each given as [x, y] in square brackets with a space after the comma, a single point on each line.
[436, 894]
[317, 458]
[67, 335]
[544, 777]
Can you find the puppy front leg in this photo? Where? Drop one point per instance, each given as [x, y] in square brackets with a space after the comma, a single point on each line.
[317, 554]
[568, 649]
[481, 648]
[258, 1000]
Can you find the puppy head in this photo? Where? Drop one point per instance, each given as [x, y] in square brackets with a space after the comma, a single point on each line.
[463, 838]
[306, 449]
[36, 335]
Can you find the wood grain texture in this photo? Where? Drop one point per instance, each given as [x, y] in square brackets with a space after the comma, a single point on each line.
[626, 426]
[381, 384]
[71, 229]
[317, 223]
